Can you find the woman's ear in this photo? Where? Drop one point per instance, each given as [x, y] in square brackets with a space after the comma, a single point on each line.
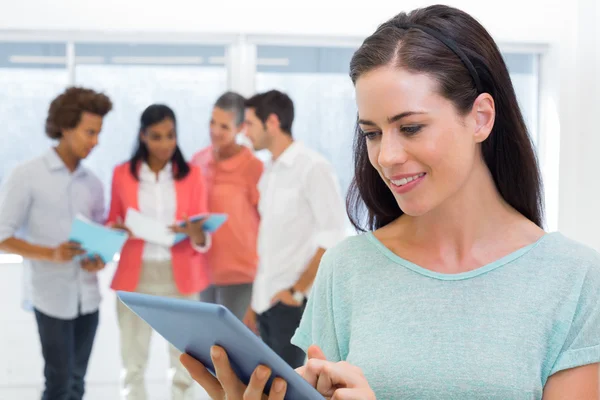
[484, 112]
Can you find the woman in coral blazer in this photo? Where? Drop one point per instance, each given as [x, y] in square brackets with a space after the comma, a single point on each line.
[160, 184]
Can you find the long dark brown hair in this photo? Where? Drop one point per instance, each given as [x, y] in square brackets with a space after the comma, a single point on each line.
[154, 114]
[508, 151]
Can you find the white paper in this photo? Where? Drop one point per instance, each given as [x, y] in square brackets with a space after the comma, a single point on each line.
[148, 229]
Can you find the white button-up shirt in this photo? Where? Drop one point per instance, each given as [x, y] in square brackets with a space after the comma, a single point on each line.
[301, 210]
[38, 202]
[157, 198]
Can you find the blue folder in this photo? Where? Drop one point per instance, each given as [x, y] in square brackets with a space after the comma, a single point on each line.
[96, 239]
[210, 224]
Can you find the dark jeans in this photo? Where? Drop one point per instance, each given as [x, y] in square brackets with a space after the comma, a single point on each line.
[277, 325]
[66, 347]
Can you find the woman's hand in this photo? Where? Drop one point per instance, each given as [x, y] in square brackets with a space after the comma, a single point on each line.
[192, 229]
[120, 226]
[227, 386]
[337, 381]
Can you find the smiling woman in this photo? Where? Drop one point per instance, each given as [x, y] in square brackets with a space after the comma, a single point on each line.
[458, 293]
[428, 64]
[433, 144]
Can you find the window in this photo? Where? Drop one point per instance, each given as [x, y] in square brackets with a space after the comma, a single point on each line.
[524, 73]
[187, 78]
[31, 75]
[316, 78]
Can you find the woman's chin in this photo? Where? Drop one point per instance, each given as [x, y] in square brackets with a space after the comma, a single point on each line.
[413, 209]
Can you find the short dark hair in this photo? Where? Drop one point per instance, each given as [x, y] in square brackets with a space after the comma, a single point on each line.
[232, 102]
[154, 114]
[508, 151]
[273, 102]
[66, 109]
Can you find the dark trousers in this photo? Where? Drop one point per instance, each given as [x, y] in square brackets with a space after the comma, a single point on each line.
[277, 325]
[66, 347]
[235, 297]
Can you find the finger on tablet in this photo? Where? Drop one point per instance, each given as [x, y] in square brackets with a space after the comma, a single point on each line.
[230, 382]
[204, 378]
[258, 381]
[278, 389]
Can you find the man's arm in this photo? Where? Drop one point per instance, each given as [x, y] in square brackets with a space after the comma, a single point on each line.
[323, 193]
[12, 245]
[321, 188]
[308, 276]
[15, 203]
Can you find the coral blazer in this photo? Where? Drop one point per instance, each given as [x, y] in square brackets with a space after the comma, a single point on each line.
[189, 266]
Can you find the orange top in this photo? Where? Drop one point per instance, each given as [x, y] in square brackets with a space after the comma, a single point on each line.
[232, 189]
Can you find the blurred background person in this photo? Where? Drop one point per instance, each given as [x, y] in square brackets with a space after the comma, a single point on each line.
[302, 215]
[42, 197]
[159, 183]
[232, 173]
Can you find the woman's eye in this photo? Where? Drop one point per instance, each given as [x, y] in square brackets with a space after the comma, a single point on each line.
[411, 130]
[370, 135]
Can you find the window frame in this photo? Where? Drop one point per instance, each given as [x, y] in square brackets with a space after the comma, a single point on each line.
[241, 67]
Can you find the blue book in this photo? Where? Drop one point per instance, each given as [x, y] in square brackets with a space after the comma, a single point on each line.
[97, 239]
[210, 224]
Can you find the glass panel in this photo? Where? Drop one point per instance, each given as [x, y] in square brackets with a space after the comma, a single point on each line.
[524, 73]
[187, 78]
[316, 78]
[31, 75]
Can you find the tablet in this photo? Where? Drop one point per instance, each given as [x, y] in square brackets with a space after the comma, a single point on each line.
[193, 327]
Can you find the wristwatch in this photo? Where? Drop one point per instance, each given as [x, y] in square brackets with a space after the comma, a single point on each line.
[297, 295]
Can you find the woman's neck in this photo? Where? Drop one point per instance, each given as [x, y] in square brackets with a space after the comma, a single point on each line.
[155, 164]
[475, 220]
[228, 151]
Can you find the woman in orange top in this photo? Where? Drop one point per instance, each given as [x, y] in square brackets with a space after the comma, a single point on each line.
[232, 172]
[160, 184]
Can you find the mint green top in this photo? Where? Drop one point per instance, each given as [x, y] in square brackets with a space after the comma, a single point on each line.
[497, 332]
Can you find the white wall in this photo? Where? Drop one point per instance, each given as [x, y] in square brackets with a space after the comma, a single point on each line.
[514, 20]
[579, 105]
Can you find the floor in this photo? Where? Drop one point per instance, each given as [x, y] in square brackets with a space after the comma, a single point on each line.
[108, 391]
[21, 364]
